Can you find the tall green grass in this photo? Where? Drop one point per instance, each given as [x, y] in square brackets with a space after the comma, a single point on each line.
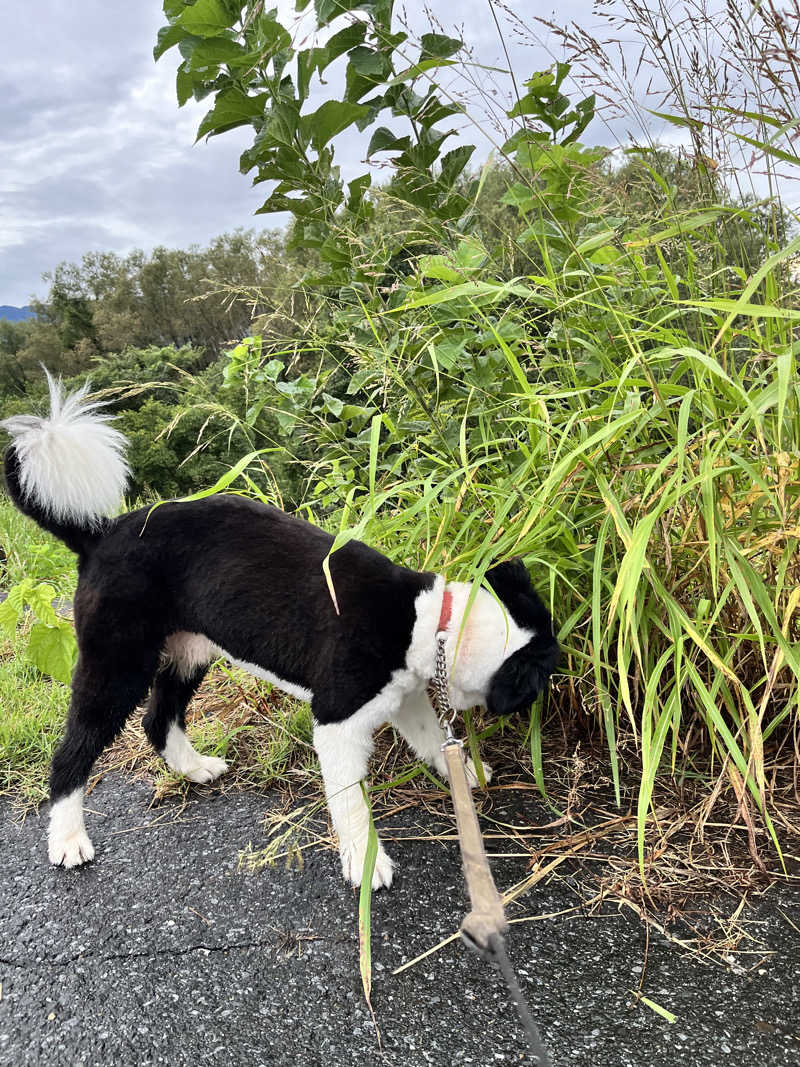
[595, 368]
[33, 709]
[632, 434]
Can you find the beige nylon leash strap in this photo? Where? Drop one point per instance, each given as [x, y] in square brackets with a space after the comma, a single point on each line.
[484, 926]
[487, 916]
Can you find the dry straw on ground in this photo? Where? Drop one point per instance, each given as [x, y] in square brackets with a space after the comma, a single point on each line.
[705, 859]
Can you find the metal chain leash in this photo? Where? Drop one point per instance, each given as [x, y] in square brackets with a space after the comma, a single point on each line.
[440, 698]
[482, 929]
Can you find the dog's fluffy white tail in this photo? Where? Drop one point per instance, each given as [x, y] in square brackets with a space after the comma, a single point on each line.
[71, 464]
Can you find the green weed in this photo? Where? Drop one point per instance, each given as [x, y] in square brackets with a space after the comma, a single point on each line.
[32, 713]
[30, 552]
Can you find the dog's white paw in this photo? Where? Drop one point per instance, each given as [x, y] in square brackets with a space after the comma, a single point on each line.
[180, 755]
[204, 768]
[68, 844]
[70, 851]
[353, 854]
[472, 774]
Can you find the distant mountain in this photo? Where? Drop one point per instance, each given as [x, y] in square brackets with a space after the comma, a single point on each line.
[15, 314]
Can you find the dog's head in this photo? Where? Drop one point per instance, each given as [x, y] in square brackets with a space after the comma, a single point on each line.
[523, 674]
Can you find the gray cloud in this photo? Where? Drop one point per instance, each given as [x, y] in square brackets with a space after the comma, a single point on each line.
[94, 152]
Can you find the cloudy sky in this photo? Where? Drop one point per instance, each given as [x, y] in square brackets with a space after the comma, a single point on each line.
[95, 153]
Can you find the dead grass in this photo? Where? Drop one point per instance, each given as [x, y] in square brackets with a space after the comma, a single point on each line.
[704, 860]
[263, 734]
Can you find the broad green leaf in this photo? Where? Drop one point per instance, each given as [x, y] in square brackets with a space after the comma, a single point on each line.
[232, 108]
[329, 119]
[468, 257]
[327, 10]
[40, 600]
[453, 163]
[438, 45]
[383, 140]
[18, 595]
[168, 36]
[205, 18]
[357, 189]
[184, 85]
[213, 51]
[352, 412]
[271, 37]
[53, 649]
[341, 42]
[333, 404]
[470, 253]
[9, 617]
[596, 241]
[273, 369]
[439, 267]
[368, 62]
[526, 140]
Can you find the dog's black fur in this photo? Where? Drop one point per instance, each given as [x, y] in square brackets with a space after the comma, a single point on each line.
[260, 590]
[250, 579]
[524, 674]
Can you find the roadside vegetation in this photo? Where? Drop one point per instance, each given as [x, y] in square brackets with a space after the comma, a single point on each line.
[580, 355]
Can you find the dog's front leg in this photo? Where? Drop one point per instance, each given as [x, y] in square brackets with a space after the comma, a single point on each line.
[344, 750]
[416, 721]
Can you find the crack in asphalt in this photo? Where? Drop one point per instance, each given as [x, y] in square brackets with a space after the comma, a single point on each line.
[90, 957]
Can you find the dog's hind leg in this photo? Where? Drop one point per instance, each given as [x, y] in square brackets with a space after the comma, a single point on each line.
[165, 723]
[103, 696]
[344, 749]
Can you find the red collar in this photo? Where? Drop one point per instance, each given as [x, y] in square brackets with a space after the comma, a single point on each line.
[447, 608]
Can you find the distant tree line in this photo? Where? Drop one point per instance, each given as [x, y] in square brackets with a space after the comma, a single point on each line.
[148, 329]
[201, 297]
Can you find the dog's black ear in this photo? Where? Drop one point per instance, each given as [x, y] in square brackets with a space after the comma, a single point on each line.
[512, 585]
[511, 576]
[523, 676]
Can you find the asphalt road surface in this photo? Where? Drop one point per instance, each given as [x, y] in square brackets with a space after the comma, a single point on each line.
[163, 952]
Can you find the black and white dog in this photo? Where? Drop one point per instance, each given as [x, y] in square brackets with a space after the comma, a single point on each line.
[163, 593]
